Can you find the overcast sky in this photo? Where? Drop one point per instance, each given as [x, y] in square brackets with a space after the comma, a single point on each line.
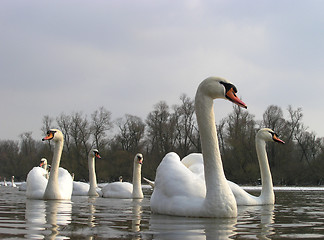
[68, 56]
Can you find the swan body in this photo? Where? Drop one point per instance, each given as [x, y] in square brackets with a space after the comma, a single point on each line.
[85, 189]
[125, 189]
[59, 184]
[194, 162]
[186, 198]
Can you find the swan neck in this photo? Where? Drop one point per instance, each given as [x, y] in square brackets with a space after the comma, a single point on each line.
[52, 188]
[266, 178]
[92, 176]
[213, 167]
[137, 186]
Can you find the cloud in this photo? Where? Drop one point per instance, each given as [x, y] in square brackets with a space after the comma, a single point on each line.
[67, 56]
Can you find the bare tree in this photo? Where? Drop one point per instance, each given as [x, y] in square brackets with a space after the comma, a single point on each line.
[47, 124]
[273, 118]
[64, 122]
[185, 125]
[239, 150]
[161, 129]
[131, 133]
[100, 124]
[80, 133]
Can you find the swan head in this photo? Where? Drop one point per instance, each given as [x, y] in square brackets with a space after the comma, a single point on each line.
[269, 135]
[53, 134]
[216, 87]
[94, 153]
[43, 162]
[138, 158]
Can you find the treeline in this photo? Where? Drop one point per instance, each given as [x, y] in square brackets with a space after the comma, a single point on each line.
[171, 128]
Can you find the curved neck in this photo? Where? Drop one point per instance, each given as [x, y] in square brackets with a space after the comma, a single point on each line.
[213, 167]
[137, 186]
[52, 188]
[267, 185]
[92, 176]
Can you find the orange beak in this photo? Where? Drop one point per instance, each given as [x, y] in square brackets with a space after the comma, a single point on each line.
[49, 136]
[97, 155]
[231, 95]
[276, 139]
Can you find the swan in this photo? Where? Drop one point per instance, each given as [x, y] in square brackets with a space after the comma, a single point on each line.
[267, 194]
[5, 182]
[85, 189]
[194, 162]
[126, 189]
[186, 198]
[44, 165]
[13, 181]
[59, 184]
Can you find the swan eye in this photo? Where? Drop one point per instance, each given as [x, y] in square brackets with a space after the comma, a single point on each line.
[228, 86]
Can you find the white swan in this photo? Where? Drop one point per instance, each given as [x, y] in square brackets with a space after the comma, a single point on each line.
[85, 189]
[5, 182]
[44, 165]
[59, 185]
[194, 162]
[125, 189]
[13, 181]
[267, 194]
[185, 197]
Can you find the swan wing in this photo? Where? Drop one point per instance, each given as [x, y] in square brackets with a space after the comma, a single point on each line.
[36, 183]
[65, 183]
[177, 191]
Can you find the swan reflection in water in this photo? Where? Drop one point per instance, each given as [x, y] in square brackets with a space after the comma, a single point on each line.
[42, 216]
[265, 214]
[137, 212]
[172, 227]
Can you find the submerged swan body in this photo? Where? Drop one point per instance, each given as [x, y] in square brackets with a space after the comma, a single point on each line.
[125, 189]
[185, 197]
[59, 185]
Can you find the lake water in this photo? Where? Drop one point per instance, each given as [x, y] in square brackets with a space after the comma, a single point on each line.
[297, 214]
